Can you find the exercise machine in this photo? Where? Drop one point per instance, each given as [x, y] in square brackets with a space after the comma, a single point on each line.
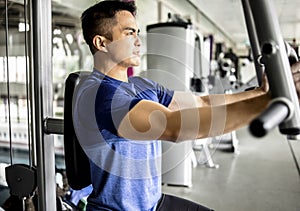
[274, 57]
[270, 54]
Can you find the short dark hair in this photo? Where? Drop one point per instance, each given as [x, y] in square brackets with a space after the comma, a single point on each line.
[99, 19]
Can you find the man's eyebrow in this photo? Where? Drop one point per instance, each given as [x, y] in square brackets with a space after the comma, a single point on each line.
[132, 29]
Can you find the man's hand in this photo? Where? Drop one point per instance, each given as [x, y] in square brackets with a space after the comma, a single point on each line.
[265, 84]
[296, 76]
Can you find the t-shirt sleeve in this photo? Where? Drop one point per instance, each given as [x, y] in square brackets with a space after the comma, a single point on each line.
[111, 110]
[163, 94]
[114, 102]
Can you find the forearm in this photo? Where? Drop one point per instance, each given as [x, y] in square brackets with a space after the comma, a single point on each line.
[240, 114]
[223, 99]
[222, 118]
[183, 100]
[149, 120]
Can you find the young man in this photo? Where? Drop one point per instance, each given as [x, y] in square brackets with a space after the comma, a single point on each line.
[119, 120]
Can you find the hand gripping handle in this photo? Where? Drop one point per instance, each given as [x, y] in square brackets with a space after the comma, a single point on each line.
[279, 110]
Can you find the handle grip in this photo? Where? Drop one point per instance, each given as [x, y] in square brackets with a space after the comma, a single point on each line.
[278, 111]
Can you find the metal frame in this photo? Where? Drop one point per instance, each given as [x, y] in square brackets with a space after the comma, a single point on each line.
[253, 40]
[42, 96]
[266, 39]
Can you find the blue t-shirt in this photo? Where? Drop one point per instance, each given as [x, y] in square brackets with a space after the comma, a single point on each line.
[126, 174]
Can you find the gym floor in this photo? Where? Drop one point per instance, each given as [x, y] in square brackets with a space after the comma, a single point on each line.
[262, 176]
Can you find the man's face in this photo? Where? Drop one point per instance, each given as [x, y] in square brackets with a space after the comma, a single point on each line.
[125, 46]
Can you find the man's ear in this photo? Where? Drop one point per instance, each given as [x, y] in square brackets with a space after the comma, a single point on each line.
[100, 43]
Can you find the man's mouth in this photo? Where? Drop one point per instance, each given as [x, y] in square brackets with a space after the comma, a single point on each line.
[137, 53]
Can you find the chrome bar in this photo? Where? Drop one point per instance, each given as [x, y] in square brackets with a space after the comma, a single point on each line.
[253, 40]
[42, 92]
[275, 60]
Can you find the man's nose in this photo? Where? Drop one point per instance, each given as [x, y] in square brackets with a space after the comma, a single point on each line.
[137, 41]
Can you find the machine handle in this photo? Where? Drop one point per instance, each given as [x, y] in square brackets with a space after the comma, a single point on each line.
[279, 110]
[264, 21]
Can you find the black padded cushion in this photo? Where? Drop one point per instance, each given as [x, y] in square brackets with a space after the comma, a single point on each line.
[77, 163]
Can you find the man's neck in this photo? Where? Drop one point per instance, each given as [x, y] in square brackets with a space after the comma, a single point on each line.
[111, 69]
[120, 75]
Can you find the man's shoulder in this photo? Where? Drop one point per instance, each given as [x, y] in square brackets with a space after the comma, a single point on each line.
[142, 81]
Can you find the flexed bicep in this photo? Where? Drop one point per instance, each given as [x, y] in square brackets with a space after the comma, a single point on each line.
[147, 120]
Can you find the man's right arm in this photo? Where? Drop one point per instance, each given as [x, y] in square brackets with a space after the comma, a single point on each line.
[151, 121]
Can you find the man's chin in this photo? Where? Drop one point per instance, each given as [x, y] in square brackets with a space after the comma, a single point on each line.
[131, 62]
[135, 62]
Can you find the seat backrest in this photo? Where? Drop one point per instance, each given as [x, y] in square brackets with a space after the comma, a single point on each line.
[77, 163]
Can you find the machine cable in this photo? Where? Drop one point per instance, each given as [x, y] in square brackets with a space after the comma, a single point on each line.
[7, 81]
[27, 84]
